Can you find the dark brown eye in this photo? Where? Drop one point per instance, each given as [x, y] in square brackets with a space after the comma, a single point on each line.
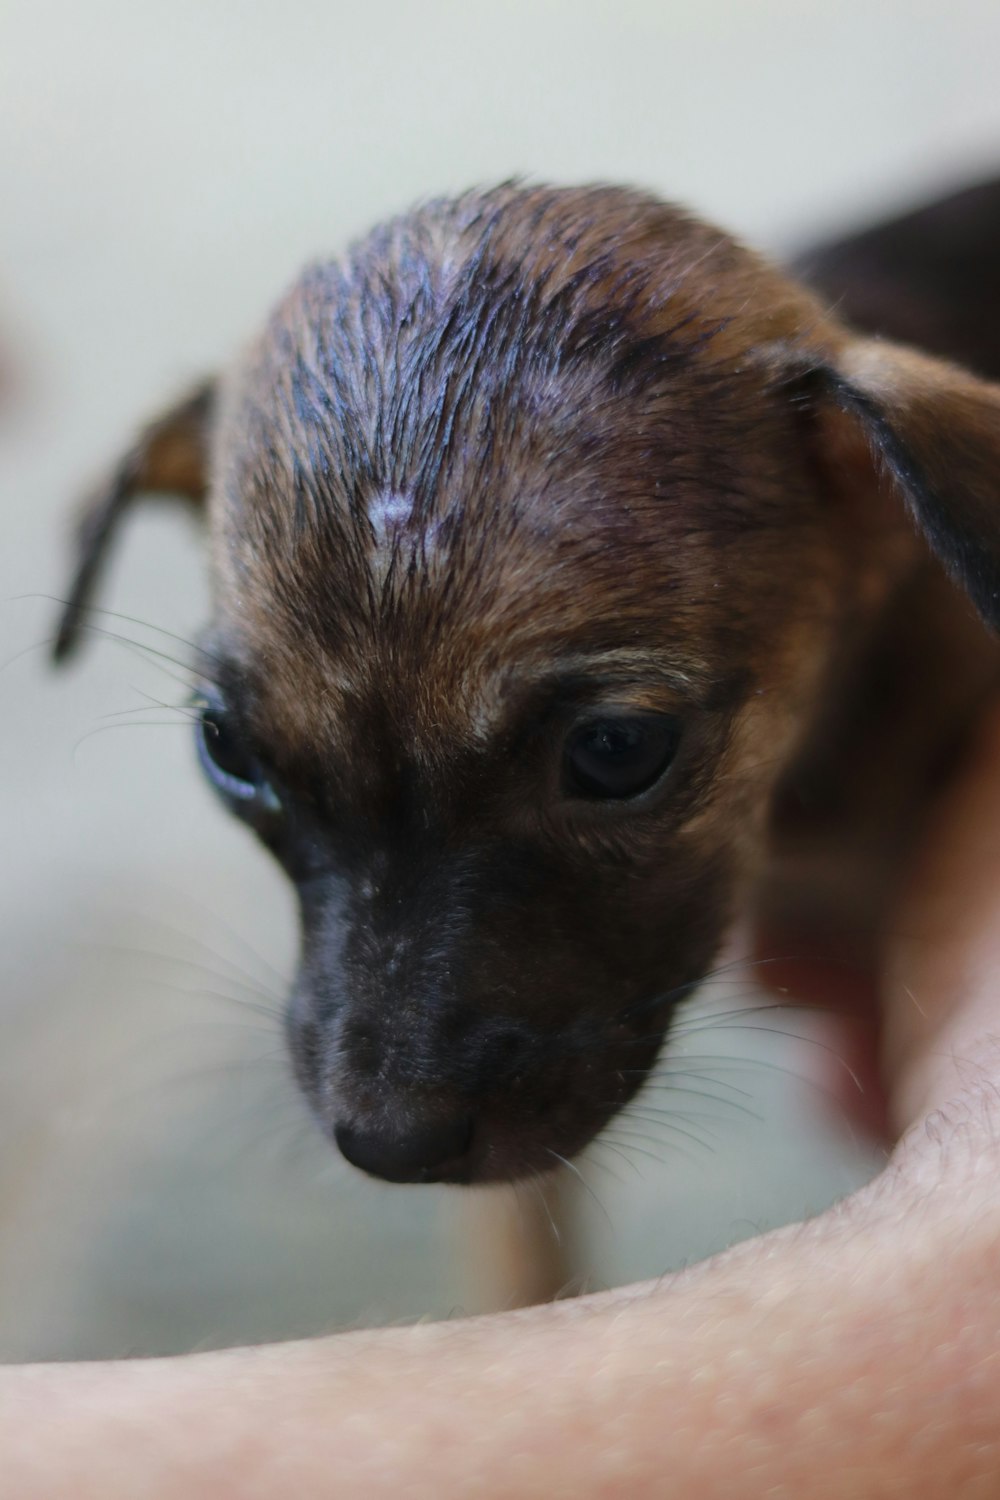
[619, 756]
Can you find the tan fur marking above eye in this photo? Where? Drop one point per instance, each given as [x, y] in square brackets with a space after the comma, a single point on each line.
[632, 680]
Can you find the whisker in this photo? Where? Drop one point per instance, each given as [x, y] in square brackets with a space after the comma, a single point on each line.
[628, 1143]
[572, 1167]
[150, 651]
[132, 724]
[690, 1135]
[275, 984]
[602, 1143]
[226, 929]
[655, 1116]
[657, 1082]
[747, 964]
[262, 998]
[49, 640]
[728, 1020]
[537, 1184]
[190, 714]
[112, 614]
[795, 1036]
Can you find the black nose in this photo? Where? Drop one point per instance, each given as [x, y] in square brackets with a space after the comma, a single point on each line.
[418, 1152]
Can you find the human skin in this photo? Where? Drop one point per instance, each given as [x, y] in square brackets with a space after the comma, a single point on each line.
[855, 1355]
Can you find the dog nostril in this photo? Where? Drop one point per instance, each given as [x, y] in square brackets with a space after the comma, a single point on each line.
[421, 1153]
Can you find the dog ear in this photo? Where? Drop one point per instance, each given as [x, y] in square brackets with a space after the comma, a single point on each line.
[170, 457]
[935, 430]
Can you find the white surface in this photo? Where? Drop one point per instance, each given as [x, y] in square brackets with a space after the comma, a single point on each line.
[164, 169]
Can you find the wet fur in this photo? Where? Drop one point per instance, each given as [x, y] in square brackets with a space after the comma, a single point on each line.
[519, 456]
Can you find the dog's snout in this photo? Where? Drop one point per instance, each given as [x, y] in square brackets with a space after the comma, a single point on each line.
[412, 1151]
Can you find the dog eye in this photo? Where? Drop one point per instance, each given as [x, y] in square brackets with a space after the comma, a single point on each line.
[619, 757]
[228, 763]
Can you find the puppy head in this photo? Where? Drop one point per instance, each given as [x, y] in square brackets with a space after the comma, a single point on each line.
[533, 522]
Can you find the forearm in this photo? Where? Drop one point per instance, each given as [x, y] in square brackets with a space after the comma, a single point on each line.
[826, 1360]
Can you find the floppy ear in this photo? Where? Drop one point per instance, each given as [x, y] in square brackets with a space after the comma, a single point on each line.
[169, 457]
[936, 431]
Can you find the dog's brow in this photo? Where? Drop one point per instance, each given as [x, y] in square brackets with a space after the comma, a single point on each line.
[622, 666]
[637, 678]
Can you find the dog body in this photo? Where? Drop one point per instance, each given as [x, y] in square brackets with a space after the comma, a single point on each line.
[561, 614]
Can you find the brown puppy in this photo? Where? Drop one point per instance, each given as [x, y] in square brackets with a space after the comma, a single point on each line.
[569, 562]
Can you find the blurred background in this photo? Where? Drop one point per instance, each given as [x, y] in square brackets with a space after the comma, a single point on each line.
[165, 168]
